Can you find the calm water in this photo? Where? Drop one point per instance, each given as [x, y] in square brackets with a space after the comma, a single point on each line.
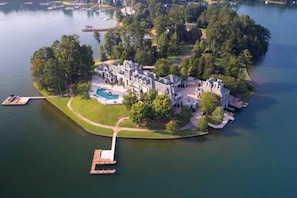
[43, 154]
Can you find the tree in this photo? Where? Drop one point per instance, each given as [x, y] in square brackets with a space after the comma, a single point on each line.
[186, 113]
[229, 82]
[111, 39]
[194, 35]
[129, 99]
[242, 33]
[163, 45]
[174, 69]
[144, 57]
[96, 36]
[149, 96]
[184, 68]
[137, 113]
[218, 114]
[86, 62]
[245, 58]
[102, 53]
[148, 99]
[202, 123]
[162, 107]
[162, 67]
[209, 101]
[67, 51]
[53, 77]
[171, 126]
[174, 43]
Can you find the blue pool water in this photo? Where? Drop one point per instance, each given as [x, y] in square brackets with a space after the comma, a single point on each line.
[107, 95]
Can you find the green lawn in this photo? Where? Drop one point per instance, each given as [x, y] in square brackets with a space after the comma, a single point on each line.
[93, 110]
[97, 112]
[184, 49]
[61, 104]
[128, 123]
[163, 135]
[145, 135]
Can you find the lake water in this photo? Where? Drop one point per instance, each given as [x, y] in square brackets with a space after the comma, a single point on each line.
[43, 154]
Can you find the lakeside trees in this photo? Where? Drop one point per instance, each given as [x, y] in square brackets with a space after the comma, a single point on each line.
[151, 106]
[229, 44]
[53, 68]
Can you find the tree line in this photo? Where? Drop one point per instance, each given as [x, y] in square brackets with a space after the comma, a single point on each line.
[54, 68]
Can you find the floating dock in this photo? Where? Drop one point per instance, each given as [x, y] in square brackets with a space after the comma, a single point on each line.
[14, 100]
[104, 157]
[98, 160]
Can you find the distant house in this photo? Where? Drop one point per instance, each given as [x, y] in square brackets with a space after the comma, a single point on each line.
[132, 77]
[216, 86]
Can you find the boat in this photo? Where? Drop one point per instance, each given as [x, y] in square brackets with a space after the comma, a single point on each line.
[69, 8]
[88, 26]
[28, 2]
[44, 4]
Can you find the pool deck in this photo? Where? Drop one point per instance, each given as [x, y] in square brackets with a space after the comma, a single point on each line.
[99, 83]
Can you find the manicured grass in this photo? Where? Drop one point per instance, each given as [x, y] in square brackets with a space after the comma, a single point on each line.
[128, 123]
[146, 135]
[184, 49]
[93, 110]
[61, 104]
[97, 112]
[164, 135]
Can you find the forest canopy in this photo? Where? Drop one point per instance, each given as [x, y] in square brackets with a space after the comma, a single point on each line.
[55, 67]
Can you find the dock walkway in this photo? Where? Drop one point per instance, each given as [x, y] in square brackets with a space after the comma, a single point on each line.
[13, 100]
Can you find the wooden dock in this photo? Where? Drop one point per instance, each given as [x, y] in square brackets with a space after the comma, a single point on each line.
[98, 29]
[14, 100]
[98, 160]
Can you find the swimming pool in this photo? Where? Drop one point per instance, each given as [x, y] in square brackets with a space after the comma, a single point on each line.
[107, 94]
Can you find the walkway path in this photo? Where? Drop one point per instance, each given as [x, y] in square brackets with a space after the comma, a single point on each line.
[115, 128]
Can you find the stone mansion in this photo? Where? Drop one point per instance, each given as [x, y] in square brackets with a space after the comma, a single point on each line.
[131, 76]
